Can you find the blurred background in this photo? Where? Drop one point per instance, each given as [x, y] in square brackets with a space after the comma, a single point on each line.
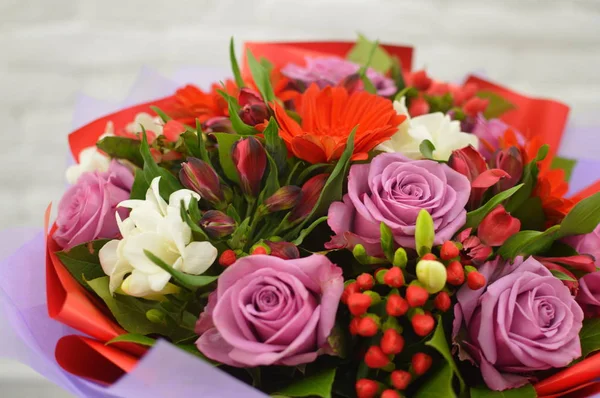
[53, 51]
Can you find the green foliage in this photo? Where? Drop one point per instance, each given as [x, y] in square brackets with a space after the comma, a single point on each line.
[497, 106]
[317, 385]
[529, 180]
[261, 78]
[82, 261]
[133, 338]
[274, 145]
[140, 185]
[426, 148]
[440, 344]
[387, 241]
[306, 231]
[121, 148]
[475, 217]
[565, 164]
[562, 276]
[589, 336]
[163, 116]
[438, 385]
[531, 214]
[225, 142]
[527, 391]
[583, 218]
[191, 282]
[234, 65]
[237, 123]
[396, 73]
[424, 233]
[527, 243]
[361, 53]
[168, 182]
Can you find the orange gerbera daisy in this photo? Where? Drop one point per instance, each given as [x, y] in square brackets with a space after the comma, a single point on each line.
[329, 116]
[194, 103]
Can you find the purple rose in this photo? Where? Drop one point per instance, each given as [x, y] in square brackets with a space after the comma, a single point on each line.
[87, 210]
[331, 71]
[588, 295]
[522, 321]
[393, 189]
[489, 133]
[586, 244]
[270, 311]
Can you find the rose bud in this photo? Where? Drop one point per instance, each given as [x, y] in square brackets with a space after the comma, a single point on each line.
[393, 277]
[432, 275]
[367, 327]
[396, 305]
[375, 358]
[250, 160]
[390, 394]
[497, 227]
[400, 379]
[227, 258]
[418, 106]
[349, 289]
[455, 273]
[449, 251]
[200, 177]
[365, 281]
[311, 190]
[511, 161]
[420, 80]
[421, 363]
[284, 250]
[218, 124]
[416, 296]
[442, 301]
[283, 199]
[217, 224]
[358, 303]
[422, 324]
[475, 105]
[366, 388]
[392, 342]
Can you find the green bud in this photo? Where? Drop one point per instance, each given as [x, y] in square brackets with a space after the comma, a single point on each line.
[387, 241]
[391, 323]
[156, 316]
[374, 317]
[379, 276]
[275, 239]
[400, 258]
[360, 254]
[469, 268]
[390, 367]
[432, 274]
[424, 233]
[375, 297]
[349, 281]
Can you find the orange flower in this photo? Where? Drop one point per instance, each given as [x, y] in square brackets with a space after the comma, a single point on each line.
[194, 103]
[328, 117]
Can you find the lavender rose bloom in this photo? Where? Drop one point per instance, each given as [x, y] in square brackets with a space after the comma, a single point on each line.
[393, 189]
[87, 210]
[331, 71]
[586, 244]
[270, 311]
[523, 320]
[588, 295]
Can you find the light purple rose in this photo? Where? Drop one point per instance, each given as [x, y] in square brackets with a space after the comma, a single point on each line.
[270, 311]
[489, 133]
[523, 320]
[87, 210]
[588, 295]
[393, 189]
[586, 244]
[331, 71]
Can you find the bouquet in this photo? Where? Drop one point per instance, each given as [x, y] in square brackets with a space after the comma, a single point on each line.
[327, 223]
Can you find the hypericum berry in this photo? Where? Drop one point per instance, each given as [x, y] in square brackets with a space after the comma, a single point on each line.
[449, 251]
[416, 295]
[366, 388]
[227, 258]
[400, 379]
[394, 277]
[354, 325]
[367, 327]
[358, 303]
[375, 358]
[422, 324]
[475, 280]
[348, 290]
[455, 273]
[396, 305]
[392, 342]
[442, 301]
[429, 256]
[390, 394]
[259, 250]
[421, 363]
[365, 281]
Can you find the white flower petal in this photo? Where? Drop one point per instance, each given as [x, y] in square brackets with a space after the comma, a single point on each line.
[153, 242]
[90, 159]
[183, 194]
[198, 257]
[153, 196]
[113, 265]
[174, 229]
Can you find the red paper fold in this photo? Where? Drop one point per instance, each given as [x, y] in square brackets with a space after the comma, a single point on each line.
[571, 378]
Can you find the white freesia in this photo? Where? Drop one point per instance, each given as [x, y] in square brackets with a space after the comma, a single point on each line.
[90, 159]
[156, 226]
[443, 132]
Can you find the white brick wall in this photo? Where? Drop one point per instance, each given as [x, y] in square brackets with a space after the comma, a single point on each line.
[51, 50]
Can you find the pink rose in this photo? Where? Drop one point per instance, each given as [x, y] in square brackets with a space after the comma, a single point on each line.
[270, 311]
[588, 295]
[87, 210]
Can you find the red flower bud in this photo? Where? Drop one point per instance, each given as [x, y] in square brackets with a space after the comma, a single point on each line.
[365, 281]
[400, 379]
[455, 273]
[497, 227]
[449, 251]
[421, 363]
[469, 162]
[420, 80]
[418, 106]
[217, 224]
[352, 83]
[475, 105]
[283, 199]
[284, 250]
[475, 280]
[392, 342]
[348, 290]
[396, 305]
[416, 296]
[358, 303]
[311, 190]
[375, 358]
[198, 176]
[354, 325]
[394, 277]
[366, 388]
[367, 327]
[227, 258]
[172, 130]
[429, 256]
[218, 124]
[422, 324]
[442, 301]
[511, 161]
[250, 160]
[390, 394]
[254, 110]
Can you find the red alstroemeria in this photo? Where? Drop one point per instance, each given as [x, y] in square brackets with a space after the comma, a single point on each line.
[497, 227]
[473, 251]
[250, 161]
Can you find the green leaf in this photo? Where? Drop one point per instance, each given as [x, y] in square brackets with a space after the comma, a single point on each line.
[526, 243]
[530, 174]
[168, 182]
[396, 73]
[122, 148]
[564, 164]
[440, 344]
[317, 385]
[238, 238]
[163, 116]
[424, 233]
[583, 218]
[234, 65]
[140, 185]
[198, 233]
[562, 276]
[531, 214]
[387, 241]
[191, 282]
[306, 231]
[361, 52]
[426, 148]
[192, 143]
[237, 124]
[274, 145]
[261, 78]
[362, 73]
[272, 181]
[133, 338]
[475, 217]
[225, 142]
[82, 261]
[438, 385]
[498, 105]
[527, 391]
[589, 336]
[202, 143]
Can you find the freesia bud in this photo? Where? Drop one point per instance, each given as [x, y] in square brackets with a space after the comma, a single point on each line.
[218, 124]
[254, 110]
[283, 199]
[250, 160]
[432, 275]
[284, 250]
[511, 161]
[197, 175]
[217, 224]
[311, 190]
[497, 227]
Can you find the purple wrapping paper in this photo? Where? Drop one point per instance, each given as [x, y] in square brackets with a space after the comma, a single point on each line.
[29, 335]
